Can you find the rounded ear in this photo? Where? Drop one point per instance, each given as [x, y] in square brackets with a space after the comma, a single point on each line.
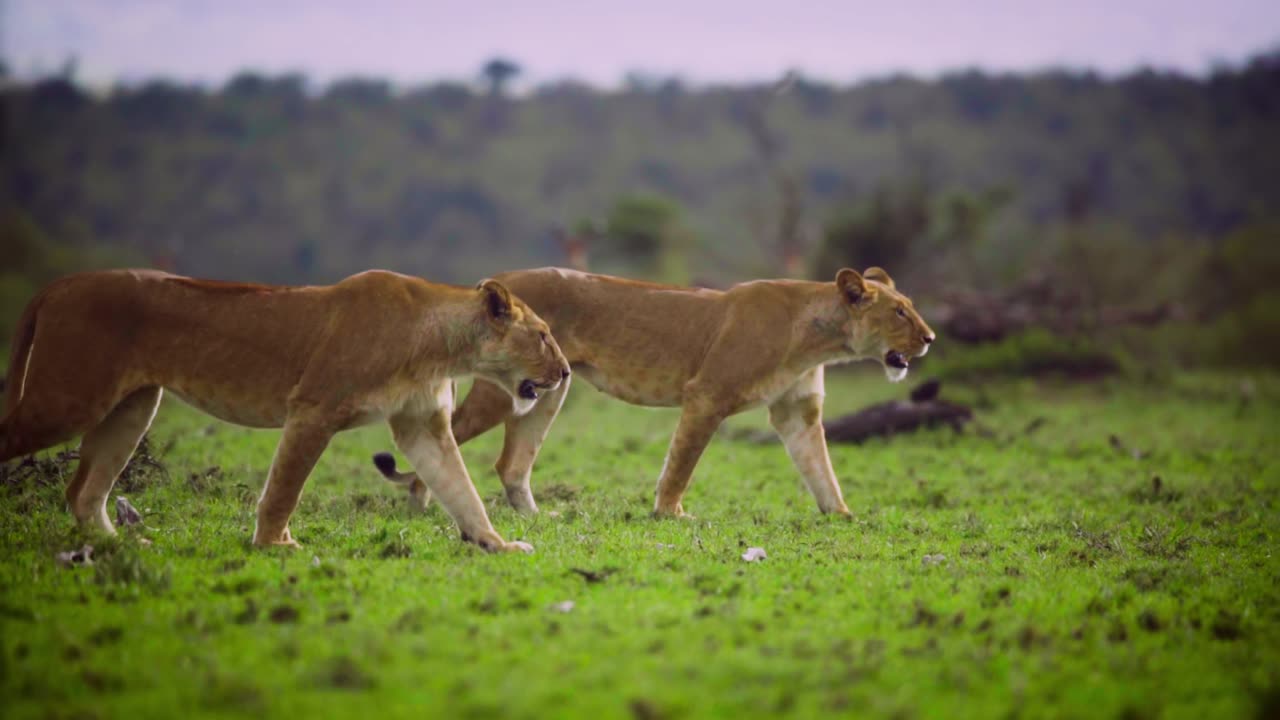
[497, 299]
[851, 285]
[879, 275]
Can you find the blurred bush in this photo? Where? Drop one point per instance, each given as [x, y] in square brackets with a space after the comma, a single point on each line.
[883, 231]
[644, 234]
[1238, 292]
[29, 260]
[1036, 353]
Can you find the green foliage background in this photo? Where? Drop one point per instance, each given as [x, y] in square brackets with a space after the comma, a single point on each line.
[269, 179]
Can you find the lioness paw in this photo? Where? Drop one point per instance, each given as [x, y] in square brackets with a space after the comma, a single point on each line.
[490, 542]
[285, 540]
[676, 512]
[289, 543]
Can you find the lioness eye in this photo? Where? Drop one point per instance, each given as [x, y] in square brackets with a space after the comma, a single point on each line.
[544, 338]
[902, 313]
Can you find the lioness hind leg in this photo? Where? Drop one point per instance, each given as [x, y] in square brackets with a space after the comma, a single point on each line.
[524, 437]
[694, 431]
[104, 452]
[39, 422]
[301, 444]
[18, 438]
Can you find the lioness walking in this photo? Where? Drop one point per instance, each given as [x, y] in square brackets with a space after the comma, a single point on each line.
[711, 353]
[94, 352]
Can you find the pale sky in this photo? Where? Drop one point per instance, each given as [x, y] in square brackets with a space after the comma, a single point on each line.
[700, 40]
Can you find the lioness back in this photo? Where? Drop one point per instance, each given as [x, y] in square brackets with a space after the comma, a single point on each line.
[636, 340]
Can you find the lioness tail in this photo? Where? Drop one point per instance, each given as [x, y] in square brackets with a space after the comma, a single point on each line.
[20, 354]
[386, 464]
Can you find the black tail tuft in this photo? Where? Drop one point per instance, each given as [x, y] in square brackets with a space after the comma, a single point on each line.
[386, 464]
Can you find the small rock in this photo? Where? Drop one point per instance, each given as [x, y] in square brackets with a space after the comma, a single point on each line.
[126, 513]
[665, 546]
[562, 607]
[594, 576]
[929, 560]
[73, 558]
[144, 542]
[1119, 446]
[754, 553]
[315, 561]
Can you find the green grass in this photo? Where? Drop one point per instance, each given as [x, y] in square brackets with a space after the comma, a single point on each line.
[1070, 588]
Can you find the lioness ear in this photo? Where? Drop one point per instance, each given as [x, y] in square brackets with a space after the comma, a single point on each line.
[851, 285]
[497, 299]
[879, 275]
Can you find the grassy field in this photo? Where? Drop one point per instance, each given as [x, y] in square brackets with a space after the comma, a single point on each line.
[1072, 583]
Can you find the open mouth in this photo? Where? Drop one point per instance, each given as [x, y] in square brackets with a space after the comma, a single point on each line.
[530, 389]
[895, 359]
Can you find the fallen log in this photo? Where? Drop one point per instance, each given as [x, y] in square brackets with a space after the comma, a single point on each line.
[923, 410]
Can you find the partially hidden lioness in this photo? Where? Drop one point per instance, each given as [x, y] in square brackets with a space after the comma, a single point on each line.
[711, 353]
[94, 352]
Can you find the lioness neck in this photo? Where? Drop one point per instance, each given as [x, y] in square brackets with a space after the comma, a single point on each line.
[450, 335]
[823, 331]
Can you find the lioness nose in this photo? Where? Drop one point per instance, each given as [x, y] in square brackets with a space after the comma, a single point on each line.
[564, 374]
[928, 339]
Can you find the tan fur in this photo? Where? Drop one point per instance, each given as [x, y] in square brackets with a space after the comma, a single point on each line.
[711, 353]
[94, 352]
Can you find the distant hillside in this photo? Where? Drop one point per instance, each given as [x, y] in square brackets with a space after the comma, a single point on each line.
[260, 180]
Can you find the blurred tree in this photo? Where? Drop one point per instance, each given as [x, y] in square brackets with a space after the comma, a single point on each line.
[360, 92]
[157, 106]
[444, 96]
[498, 72]
[246, 85]
[751, 112]
[58, 94]
[230, 182]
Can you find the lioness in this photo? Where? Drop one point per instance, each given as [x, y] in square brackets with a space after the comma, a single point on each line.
[712, 353]
[94, 352]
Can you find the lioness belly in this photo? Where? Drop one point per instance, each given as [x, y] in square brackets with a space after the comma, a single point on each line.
[241, 409]
[638, 386]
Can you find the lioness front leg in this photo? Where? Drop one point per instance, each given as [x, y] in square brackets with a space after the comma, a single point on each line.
[428, 443]
[301, 444]
[697, 425]
[797, 417]
[524, 437]
[484, 407]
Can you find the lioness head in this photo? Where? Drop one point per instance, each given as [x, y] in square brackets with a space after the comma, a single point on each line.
[884, 323]
[518, 353]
